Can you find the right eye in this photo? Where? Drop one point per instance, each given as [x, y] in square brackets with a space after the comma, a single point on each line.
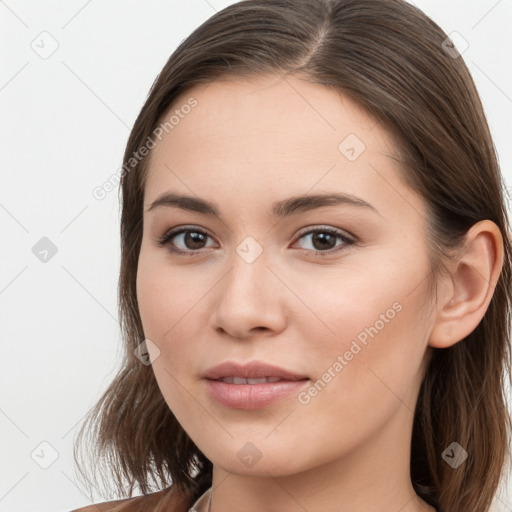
[184, 240]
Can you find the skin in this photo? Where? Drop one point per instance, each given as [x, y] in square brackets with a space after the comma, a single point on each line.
[244, 146]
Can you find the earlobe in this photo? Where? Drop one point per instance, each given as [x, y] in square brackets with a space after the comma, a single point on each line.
[471, 285]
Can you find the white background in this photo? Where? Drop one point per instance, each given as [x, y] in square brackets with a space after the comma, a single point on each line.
[65, 122]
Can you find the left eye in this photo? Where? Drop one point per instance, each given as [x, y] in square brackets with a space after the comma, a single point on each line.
[324, 240]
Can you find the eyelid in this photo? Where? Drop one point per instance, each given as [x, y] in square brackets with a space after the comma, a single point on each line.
[326, 227]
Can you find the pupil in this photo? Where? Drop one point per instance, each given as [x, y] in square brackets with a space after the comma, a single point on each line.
[193, 238]
[322, 238]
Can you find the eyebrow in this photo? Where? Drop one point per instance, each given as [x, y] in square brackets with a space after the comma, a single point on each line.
[283, 208]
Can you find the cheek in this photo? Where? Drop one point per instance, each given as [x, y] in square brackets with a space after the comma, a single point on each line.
[366, 301]
[159, 314]
[169, 308]
[374, 335]
[165, 296]
[363, 379]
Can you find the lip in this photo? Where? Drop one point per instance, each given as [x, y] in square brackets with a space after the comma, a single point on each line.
[251, 396]
[251, 370]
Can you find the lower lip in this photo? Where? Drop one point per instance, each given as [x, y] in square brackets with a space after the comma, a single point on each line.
[252, 396]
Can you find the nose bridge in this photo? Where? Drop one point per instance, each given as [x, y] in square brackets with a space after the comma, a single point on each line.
[249, 296]
[248, 282]
[249, 271]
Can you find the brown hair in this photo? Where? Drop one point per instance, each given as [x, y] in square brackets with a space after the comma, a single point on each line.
[391, 59]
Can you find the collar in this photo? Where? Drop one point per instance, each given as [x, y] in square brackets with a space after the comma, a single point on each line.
[203, 502]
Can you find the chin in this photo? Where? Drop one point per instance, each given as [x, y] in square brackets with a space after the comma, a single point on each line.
[261, 458]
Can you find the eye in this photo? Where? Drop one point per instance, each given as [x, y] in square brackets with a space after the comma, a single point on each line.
[189, 240]
[184, 240]
[322, 240]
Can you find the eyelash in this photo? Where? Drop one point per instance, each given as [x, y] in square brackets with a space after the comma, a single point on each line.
[167, 237]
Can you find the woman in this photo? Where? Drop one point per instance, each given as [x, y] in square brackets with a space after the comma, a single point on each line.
[316, 272]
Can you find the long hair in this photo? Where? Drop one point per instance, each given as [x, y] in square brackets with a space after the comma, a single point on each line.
[396, 63]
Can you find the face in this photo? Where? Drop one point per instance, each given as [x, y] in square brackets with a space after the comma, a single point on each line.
[331, 288]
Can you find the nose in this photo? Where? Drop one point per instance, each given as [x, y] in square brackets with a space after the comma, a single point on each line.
[250, 299]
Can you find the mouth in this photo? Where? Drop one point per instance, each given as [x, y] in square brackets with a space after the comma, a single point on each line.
[251, 386]
[252, 371]
[242, 380]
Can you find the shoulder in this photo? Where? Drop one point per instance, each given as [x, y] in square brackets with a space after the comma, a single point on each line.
[107, 506]
[168, 500]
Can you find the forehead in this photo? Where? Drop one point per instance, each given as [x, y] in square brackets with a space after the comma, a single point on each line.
[271, 110]
[273, 136]
[283, 119]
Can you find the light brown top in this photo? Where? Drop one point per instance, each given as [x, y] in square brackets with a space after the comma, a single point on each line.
[203, 502]
[167, 500]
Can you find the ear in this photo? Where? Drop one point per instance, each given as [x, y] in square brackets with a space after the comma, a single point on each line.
[466, 294]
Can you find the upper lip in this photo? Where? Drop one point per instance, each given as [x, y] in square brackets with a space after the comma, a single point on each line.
[251, 370]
